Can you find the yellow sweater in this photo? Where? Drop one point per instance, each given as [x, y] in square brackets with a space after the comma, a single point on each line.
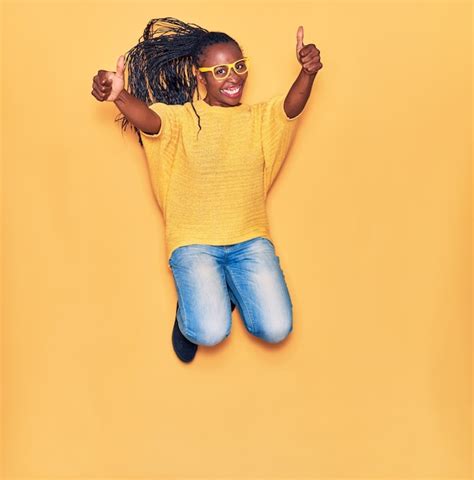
[211, 187]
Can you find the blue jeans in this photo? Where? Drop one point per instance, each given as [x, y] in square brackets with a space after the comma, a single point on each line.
[207, 277]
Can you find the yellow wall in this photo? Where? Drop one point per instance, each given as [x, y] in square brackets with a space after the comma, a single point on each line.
[370, 217]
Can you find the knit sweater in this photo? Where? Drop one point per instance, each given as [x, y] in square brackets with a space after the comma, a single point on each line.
[212, 186]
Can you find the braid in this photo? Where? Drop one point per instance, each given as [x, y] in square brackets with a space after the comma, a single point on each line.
[160, 66]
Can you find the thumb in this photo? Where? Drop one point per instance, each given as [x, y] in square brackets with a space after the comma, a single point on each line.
[120, 66]
[299, 39]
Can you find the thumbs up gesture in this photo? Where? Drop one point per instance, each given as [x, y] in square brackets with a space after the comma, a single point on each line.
[107, 85]
[307, 55]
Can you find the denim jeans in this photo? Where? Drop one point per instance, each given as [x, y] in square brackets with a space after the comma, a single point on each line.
[207, 277]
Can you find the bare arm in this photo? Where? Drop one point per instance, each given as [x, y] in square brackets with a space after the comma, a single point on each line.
[298, 95]
[308, 57]
[138, 113]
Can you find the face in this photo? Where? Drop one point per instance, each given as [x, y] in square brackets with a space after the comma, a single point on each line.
[217, 93]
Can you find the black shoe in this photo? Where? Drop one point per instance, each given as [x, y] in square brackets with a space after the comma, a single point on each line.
[184, 349]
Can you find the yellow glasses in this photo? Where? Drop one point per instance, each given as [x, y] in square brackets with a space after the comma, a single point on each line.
[221, 72]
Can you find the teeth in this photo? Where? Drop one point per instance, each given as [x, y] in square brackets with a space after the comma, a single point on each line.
[231, 90]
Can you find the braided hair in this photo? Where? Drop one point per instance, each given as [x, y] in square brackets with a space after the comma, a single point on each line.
[160, 66]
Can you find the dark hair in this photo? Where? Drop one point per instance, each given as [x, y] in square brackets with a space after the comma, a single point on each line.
[160, 66]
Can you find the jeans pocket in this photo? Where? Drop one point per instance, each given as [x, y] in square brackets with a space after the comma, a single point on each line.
[181, 253]
[268, 241]
[173, 256]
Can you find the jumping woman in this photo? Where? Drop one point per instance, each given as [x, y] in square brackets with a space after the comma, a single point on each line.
[212, 161]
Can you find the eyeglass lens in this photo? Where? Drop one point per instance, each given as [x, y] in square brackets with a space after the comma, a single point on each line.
[222, 70]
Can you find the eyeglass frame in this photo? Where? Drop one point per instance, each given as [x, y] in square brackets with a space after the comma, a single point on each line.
[231, 66]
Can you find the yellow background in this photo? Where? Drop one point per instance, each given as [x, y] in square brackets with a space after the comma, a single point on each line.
[370, 216]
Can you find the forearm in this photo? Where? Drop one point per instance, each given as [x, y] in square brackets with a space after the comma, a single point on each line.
[138, 113]
[299, 93]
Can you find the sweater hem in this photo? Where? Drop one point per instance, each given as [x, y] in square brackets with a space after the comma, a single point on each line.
[222, 241]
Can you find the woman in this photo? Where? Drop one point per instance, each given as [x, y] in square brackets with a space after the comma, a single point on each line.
[212, 162]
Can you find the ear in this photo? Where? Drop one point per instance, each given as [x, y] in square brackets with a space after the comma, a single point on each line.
[201, 78]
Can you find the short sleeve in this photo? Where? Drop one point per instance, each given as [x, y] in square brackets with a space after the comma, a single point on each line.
[160, 148]
[277, 133]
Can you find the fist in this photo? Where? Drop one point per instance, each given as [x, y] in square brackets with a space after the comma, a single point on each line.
[307, 55]
[107, 85]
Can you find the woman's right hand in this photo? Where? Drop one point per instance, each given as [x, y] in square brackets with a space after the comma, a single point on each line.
[107, 85]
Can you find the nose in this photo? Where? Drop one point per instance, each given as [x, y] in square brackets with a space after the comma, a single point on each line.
[234, 76]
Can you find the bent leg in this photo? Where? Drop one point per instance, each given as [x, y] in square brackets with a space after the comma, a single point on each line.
[257, 282]
[204, 314]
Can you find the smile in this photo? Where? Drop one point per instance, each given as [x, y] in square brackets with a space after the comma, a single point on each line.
[232, 92]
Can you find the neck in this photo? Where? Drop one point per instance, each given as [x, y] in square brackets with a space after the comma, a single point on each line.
[208, 101]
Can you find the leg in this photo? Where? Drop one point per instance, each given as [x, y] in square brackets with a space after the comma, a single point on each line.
[204, 314]
[258, 285]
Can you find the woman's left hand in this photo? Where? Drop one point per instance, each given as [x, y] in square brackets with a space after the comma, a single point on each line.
[307, 55]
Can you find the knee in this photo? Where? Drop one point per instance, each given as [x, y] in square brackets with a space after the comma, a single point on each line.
[276, 333]
[208, 335]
